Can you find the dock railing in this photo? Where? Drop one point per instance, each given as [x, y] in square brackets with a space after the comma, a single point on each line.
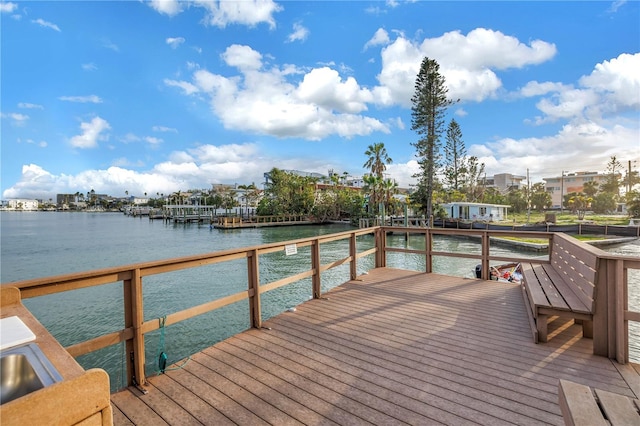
[612, 292]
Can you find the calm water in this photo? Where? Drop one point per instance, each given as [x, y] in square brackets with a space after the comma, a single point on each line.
[38, 244]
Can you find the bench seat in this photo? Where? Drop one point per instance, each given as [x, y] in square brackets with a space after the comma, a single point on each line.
[564, 287]
[580, 405]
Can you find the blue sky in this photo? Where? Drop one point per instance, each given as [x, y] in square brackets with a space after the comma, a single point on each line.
[156, 97]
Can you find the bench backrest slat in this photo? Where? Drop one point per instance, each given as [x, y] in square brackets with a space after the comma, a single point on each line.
[577, 263]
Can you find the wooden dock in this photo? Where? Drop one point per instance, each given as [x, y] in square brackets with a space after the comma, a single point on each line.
[391, 347]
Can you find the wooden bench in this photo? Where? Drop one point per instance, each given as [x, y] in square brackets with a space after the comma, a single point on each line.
[582, 406]
[564, 287]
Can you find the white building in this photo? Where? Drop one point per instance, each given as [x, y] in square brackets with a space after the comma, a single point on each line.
[22, 204]
[476, 211]
[503, 182]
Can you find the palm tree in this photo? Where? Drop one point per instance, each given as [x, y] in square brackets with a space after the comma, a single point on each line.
[372, 187]
[579, 203]
[389, 188]
[378, 159]
[249, 194]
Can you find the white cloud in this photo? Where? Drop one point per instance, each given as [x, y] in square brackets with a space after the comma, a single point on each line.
[164, 129]
[106, 43]
[325, 88]
[617, 80]
[485, 48]
[567, 104]
[41, 144]
[274, 101]
[534, 88]
[188, 88]
[132, 138]
[152, 140]
[92, 132]
[17, 119]
[249, 12]
[617, 4]
[403, 173]
[222, 13]
[466, 62]
[27, 105]
[612, 87]
[242, 57]
[460, 112]
[174, 42]
[167, 7]
[300, 33]
[82, 99]
[89, 67]
[196, 167]
[129, 138]
[8, 7]
[585, 144]
[380, 38]
[45, 24]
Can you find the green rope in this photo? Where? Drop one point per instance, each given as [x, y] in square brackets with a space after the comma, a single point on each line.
[181, 366]
[162, 356]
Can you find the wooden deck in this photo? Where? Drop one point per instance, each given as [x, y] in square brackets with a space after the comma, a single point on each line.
[393, 347]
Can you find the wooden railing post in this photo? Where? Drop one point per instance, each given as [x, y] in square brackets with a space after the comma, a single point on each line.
[486, 248]
[603, 337]
[428, 239]
[353, 252]
[137, 318]
[381, 244]
[621, 305]
[315, 266]
[128, 323]
[253, 272]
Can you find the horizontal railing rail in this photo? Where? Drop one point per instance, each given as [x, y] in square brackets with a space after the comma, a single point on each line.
[135, 327]
[613, 313]
[612, 292]
[485, 236]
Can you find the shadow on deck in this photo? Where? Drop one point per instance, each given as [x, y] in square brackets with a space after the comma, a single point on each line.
[391, 347]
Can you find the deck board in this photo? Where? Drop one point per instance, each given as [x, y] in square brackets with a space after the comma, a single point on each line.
[392, 347]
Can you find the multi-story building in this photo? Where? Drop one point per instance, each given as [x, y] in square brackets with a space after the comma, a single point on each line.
[503, 182]
[559, 186]
[21, 204]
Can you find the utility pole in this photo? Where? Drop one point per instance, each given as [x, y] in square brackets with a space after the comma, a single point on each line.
[561, 191]
[528, 197]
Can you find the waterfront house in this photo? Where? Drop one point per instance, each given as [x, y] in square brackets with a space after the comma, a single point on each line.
[476, 211]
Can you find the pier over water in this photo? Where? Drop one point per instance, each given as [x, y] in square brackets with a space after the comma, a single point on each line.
[387, 346]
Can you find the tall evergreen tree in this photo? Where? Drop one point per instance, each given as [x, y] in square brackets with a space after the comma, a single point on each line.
[472, 178]
[612, 183]
[454, 156]
[427, 119]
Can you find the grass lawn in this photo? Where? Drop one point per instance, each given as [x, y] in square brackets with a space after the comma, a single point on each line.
[567, 218]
